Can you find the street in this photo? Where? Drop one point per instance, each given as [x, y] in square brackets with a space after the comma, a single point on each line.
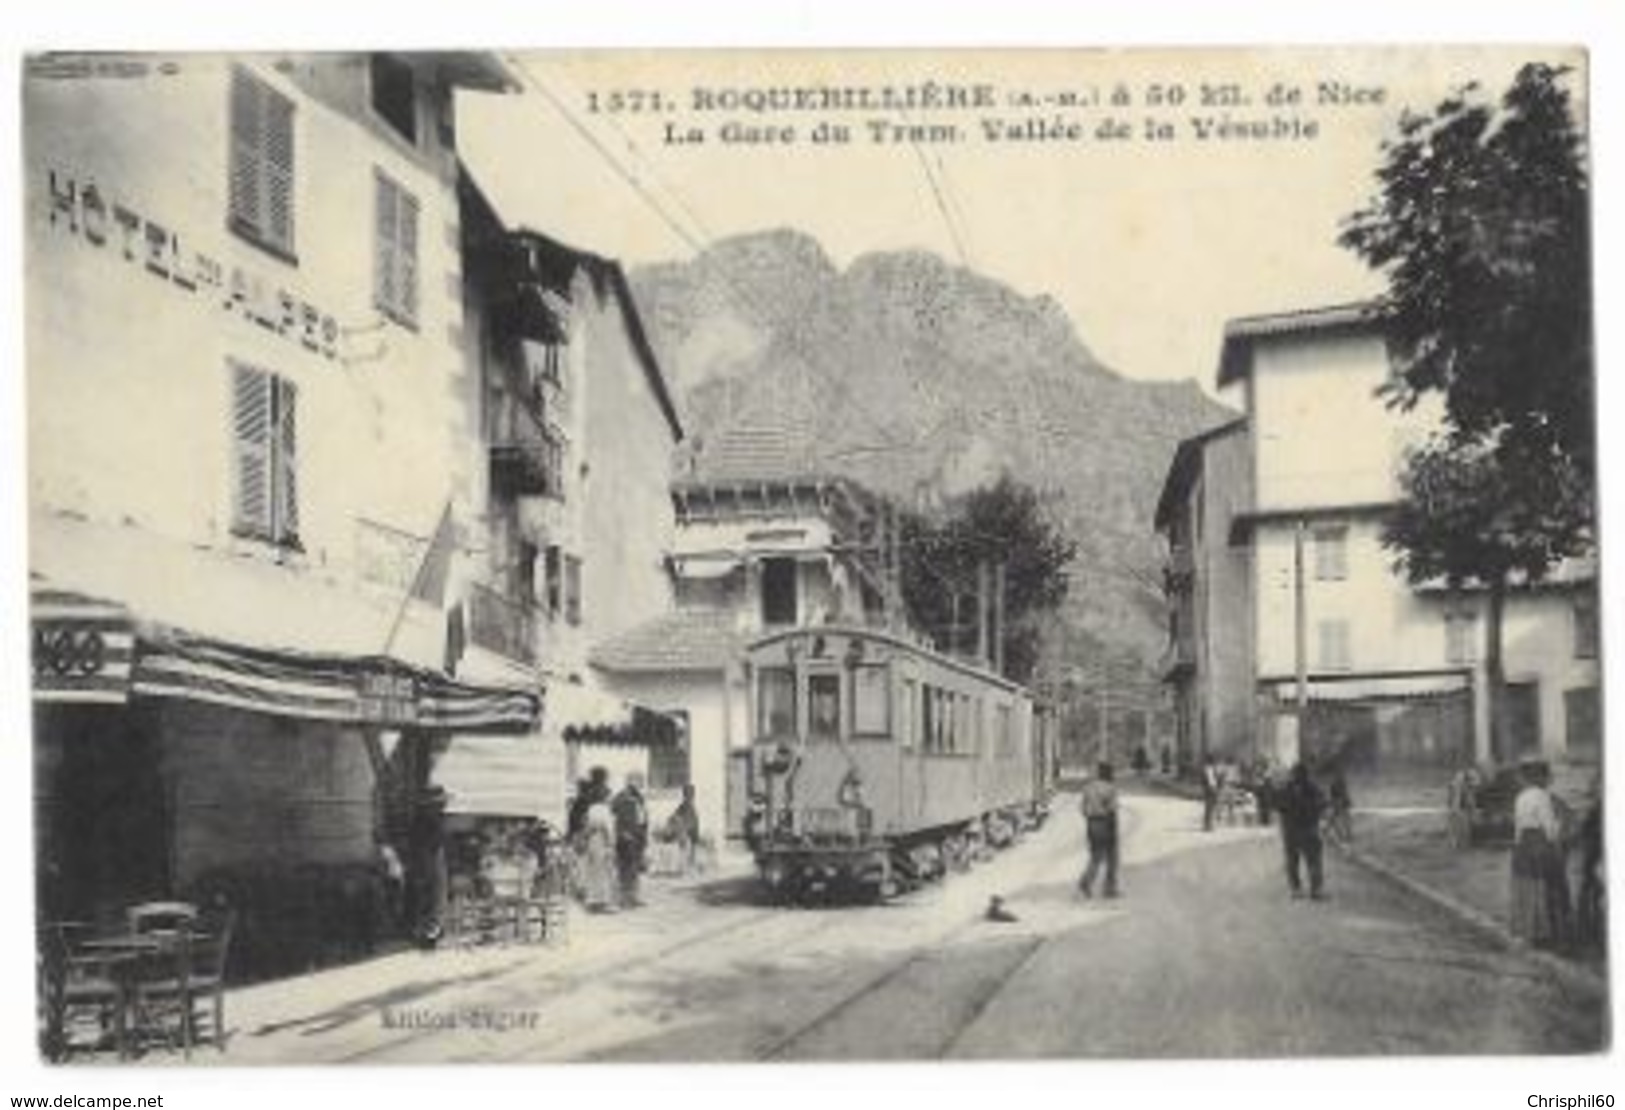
[1205, 956]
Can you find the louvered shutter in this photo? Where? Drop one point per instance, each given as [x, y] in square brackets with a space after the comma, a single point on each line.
[262, 161]
[384, 239]
[251, 438]
[247, 139]
[277, 166]
[287, 461]
[406, 255]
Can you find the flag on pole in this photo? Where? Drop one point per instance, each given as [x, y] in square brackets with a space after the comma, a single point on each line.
[435, 568]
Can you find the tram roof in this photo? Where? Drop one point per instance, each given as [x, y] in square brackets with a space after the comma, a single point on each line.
[888, 637]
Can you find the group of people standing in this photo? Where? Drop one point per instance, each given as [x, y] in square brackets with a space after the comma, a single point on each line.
[1543, 910]
[610, 832]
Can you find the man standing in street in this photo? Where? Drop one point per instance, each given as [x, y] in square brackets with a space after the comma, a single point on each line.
[1300, 805]
[1210, 791]
[1100, 819]
[631, 838]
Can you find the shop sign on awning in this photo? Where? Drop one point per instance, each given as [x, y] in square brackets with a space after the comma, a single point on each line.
[375, 691]
[82, 650]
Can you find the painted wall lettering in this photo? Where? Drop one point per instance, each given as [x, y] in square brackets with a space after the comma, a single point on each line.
[85, 211]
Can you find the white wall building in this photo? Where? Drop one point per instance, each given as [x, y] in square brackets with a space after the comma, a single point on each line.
[759, 547]
[247, 414]
[1393, 673]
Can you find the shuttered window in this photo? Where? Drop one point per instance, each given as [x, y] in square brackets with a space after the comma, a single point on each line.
[265, 447]
[395, 261]
[572, 589]
[261, 183]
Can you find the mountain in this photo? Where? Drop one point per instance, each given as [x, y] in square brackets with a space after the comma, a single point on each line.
[923, 379]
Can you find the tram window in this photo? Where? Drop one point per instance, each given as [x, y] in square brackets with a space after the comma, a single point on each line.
[823, 706]
[1006, 735]
[870, 709]
[776, 702]
[928, 718]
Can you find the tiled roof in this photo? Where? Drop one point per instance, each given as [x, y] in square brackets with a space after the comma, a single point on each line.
[1240, 333]
[687, 640]
[762, 448]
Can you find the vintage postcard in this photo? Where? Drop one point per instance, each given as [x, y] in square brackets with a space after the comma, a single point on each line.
[786, 555]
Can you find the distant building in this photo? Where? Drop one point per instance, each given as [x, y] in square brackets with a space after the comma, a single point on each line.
[752, 554]
[245, 360]
[1208, 664]
[1393, 674]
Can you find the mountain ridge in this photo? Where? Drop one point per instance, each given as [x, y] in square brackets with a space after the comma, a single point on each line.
[922, 379]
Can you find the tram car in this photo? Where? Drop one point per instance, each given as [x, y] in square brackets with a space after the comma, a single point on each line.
[877, 764]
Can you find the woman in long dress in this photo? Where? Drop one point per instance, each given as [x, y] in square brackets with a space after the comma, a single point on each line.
[1537, 861]
[598, 857]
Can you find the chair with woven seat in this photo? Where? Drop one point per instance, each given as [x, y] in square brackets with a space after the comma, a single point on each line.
[178, 993]
[80, 991]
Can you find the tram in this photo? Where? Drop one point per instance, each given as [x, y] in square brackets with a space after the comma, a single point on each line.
[877, 764]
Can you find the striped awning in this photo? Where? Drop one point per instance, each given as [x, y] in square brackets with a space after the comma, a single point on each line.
[369, 690]
[83, 647]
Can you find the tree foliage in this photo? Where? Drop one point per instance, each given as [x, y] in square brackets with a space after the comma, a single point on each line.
[1003, 523]
[1481, 226]
[1480, 514]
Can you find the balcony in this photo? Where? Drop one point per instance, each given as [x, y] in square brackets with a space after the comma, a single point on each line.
[527, 459]
[501, 624]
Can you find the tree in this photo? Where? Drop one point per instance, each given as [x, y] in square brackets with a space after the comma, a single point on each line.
[1481, 226]
[1489, 515]
[1000, 524]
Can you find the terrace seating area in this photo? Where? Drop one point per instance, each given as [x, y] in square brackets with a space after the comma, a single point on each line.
[152, 981]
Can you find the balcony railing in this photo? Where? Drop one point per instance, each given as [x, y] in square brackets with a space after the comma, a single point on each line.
[501, 624]
[527, 459]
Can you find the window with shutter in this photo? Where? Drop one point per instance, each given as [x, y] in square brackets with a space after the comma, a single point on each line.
[395, 256]
[286, 524]
[261, 177]
[251, 436]
[265, 454]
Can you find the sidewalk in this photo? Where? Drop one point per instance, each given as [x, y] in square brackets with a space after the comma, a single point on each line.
[1400, 835]
[1407, 845]
[330, 1013]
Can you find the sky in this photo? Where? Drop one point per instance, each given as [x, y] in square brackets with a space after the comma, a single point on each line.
[1149, 246]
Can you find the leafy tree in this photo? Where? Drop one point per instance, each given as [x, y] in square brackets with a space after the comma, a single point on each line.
[1000, 524]
[1481, 226]
[1487, 515]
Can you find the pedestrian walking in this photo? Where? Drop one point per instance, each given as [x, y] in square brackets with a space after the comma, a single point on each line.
[1100, 821]
[1210, 791]
[1540, 888]
[1591, 928]
[683, 829]
[593, 835]
[1340, 807]
[1300, 807]
[631, 838]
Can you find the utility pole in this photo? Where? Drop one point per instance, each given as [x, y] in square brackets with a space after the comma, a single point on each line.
[1300, 636]
[1105, 751]
[982, 591]
[998, 617]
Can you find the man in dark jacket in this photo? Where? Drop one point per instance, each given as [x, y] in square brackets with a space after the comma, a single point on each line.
[631, 837]
[1300, 805]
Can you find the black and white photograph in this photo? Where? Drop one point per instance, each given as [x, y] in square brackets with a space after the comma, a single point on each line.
[822, 555]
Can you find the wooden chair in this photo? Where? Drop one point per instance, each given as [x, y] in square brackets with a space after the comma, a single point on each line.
[80, 990]
[178, 993]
